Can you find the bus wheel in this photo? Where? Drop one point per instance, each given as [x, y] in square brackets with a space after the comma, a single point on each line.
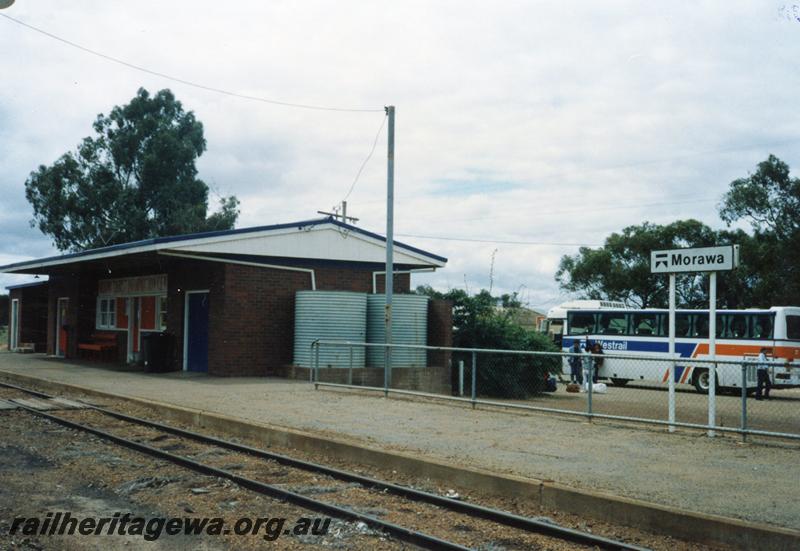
[619, 382]
[700, 380]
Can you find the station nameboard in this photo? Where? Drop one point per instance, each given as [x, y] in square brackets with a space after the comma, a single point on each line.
[704, 259]
[130, 286]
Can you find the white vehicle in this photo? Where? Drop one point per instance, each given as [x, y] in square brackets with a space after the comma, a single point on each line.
[741, 334]
[553, 324]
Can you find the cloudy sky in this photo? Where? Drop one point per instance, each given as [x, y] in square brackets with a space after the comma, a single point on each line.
[523, 128]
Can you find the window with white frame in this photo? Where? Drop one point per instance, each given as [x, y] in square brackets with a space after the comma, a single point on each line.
[162, 313]
[106, 313]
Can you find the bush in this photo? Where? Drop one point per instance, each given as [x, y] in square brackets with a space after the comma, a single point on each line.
[483, 321]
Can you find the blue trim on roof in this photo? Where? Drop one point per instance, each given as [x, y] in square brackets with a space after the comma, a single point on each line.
[24, 285]
[203, 235]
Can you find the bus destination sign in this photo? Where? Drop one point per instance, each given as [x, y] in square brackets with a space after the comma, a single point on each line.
[704, 259]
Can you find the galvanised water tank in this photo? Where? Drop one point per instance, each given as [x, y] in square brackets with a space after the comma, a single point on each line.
[409, 326]
[329, 315]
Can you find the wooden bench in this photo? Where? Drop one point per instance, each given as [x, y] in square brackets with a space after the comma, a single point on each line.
[101, 345]
[26, 348]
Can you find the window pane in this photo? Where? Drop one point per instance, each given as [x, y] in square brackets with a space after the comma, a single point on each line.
[793, 327]
[683, 325]
[700, 326]
[645, 324]
[613, 323]
[162, 313]
[761, 326]
[739, 326]
[580, 323]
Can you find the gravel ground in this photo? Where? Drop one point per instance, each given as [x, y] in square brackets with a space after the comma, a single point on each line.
[165, 486]
[687, 470]
[48, 468]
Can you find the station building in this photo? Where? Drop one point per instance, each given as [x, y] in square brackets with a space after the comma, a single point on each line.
[227, 298]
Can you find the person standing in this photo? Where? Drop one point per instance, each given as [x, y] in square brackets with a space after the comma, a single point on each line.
[762, 371]
[575, 375]
[587, 361]
[597, 350]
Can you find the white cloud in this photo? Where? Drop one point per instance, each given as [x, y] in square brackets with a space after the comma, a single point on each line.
[518, 121]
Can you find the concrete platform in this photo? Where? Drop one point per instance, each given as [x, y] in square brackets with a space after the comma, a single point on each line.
[543, 453]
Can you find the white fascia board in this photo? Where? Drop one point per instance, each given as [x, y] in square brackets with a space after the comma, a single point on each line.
[323, 241]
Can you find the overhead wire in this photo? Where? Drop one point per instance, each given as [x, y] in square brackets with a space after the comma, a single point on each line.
[371, 151]
[184, 81]
[500, 241]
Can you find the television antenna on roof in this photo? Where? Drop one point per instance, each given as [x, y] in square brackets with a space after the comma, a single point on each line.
[338, 212]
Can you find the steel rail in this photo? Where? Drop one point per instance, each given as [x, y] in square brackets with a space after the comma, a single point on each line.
[495, 515]
[408, 535]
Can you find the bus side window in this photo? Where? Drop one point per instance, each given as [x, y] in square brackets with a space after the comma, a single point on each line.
[581, 323]
[738, 326]
[613, 323]
[761, 327]
[662, 325]
[645, 324]
[792, 327]
[683, 325]
[723, 326]
[700, 326]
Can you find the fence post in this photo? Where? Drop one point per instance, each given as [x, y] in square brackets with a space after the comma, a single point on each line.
[387, 354]
[590, 384]
[712, 398]
[350, 370]
[744, 402]
[460, 377]
[474, 376]
[671, 412]
[315, 368]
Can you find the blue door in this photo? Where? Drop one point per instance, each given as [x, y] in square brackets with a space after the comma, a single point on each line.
[197, 332]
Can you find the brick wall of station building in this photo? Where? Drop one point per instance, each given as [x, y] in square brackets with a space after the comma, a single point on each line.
[32, 315]
[194, 275]
[253, 333]
[251, 309]
[64, 287]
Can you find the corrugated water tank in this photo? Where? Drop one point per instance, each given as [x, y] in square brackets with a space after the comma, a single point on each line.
[329, 315]
[409, 326]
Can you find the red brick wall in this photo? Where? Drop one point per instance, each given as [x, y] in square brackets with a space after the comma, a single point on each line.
[193, 275]
[253, 333]
[64, 287]
[32, 315]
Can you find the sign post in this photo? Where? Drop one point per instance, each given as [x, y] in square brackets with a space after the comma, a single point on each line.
[672, 352]
[704, 259]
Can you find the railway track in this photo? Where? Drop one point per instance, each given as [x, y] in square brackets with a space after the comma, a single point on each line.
[300, 481]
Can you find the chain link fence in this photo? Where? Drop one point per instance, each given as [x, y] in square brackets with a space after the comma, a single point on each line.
[623, 387]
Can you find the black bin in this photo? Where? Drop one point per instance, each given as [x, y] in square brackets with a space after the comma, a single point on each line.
[157, 351]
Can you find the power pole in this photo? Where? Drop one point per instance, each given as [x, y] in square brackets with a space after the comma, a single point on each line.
[389, 280]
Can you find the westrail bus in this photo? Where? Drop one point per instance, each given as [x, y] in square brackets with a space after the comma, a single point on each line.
[741, 334]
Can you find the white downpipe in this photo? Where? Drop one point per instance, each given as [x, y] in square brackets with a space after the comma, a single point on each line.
[245, 263]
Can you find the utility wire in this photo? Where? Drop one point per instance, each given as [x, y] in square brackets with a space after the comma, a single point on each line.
[371, 151]
[503, 242]
[541, 212]
[183, 81]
